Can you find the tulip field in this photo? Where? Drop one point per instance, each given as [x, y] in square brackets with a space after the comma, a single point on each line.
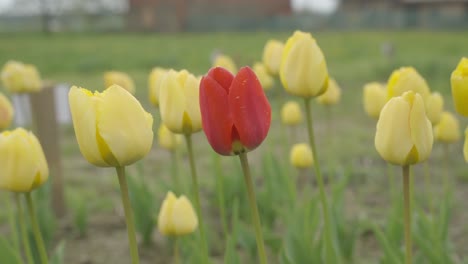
[330, 147]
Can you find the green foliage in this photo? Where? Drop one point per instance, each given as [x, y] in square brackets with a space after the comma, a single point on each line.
[58, 256]
[80, 207]
[7, 253]
[144, 207]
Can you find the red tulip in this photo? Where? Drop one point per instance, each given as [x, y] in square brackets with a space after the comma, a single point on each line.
[236, 114]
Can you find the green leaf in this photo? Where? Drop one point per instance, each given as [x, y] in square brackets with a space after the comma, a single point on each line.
[59, 254]
[391, 253]
[8, 254]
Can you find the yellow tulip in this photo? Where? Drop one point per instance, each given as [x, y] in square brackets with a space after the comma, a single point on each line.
[225, 62]
[465, 146]
[263, 76]
[112, 128]
[272, 53]
[119, 78]
[407, 79]
[448, 129]
[291, 114]
[179, 102]
[404, 133]
[301, 156]
[332, 95]
[459, 81]
[303, 70]
[167, 139]
[177, 216]
[19, 78]
[154, 83]
[434, 107]
[23, 166]
[6, 112]
[375, 97]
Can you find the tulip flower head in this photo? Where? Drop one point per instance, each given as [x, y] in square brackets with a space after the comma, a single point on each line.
[236, 114]
[177, 216]
[301, 156]
[272, 53]
[332, 95]
[263, 76]
[459, 82]
[404, 133]
[167, 139]
[23, 166]
[226, 62]
[303, 69]
[121, 79]
[291, 114]
[6, 112]
[407, 79]
[178, 102]
[375, 97]
[434, 107]
[448, 129]
[21, 78]
[112, 128]
[154, 83]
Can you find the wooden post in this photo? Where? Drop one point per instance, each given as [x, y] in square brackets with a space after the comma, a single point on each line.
[47, 130]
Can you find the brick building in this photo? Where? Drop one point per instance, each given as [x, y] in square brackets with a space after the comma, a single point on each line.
[177, 15]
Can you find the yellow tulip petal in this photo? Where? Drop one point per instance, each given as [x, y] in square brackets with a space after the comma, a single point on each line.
[22, 162]
[459, 82]
[154, 82]
[375, 97]
[421, 128]
[83, 110]
[6, 112]
[448, 129]
[165, 224]
[124, 125]
[184, 218]
[303, 70]
[172, 102]
[191, 90]
[393, 135]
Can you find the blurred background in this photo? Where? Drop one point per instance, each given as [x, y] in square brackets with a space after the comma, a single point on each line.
[220, 15]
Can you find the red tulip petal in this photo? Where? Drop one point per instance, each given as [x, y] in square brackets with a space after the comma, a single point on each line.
[216, 121]
[222, 76]
[251, 111]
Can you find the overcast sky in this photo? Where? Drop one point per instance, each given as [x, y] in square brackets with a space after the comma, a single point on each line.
[324, 6]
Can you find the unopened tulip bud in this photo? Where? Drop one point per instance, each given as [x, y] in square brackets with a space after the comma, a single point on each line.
[375, 97]
[23, 166]
[119, 78]
[154, 83]
[226, 62]
[291, 114]
[332, 95]
[177, 216]
[112, 128]
[303, 69]
[404, 133]
[263, 76]
[301, 156]
[272, 53]
[21, 78]
[459, 81]
[434, 107]
[407, 79]
[167, 139]
[448, 129]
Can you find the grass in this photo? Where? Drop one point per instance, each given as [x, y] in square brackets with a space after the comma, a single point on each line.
[353, 58]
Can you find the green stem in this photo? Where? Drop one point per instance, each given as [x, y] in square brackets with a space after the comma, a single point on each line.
[196, 194]
[391, 182]
[12, 222]
[176, 250]
[24, 233]
[36, 230]
[253, 207]
[407, 203]
[427, 182]
[175, 171]
[128, 215]
[220, 192]
[330, 252]
[446, 169]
